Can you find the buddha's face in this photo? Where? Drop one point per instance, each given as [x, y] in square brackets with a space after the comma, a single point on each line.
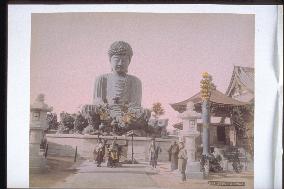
[120, 63]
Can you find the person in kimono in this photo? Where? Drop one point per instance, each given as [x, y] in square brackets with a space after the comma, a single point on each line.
[182, 160]
[173, 155]
[154, 150]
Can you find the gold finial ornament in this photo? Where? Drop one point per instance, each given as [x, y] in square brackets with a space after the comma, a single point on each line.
[206, 86]
[205, 75]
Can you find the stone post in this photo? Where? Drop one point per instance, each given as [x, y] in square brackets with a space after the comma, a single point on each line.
[38, 123]
[189, 133]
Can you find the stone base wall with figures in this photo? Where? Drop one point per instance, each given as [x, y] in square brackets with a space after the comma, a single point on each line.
[65, 145]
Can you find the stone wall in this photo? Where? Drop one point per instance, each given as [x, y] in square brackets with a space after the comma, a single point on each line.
[65, 145]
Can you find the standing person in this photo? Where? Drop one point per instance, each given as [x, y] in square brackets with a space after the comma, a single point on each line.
[109, 160]
[113, 153]
[157, 151]
[154, 150]
[182, 160]
[173, 155]
[100, 151]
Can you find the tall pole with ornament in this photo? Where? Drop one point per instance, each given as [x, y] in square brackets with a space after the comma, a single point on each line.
[206, 88]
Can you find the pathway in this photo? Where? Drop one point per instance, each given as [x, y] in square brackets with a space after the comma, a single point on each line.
[88, 175]
[141, 176]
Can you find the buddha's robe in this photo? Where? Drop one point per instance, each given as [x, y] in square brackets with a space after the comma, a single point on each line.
[117, 90]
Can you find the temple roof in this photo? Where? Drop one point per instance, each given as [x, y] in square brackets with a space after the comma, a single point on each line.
[217, 98]
[244, 76]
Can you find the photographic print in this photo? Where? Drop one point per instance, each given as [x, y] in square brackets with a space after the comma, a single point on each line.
[142, 100]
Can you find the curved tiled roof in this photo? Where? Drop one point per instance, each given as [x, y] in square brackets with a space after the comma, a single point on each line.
[243, 76]
[217, 97]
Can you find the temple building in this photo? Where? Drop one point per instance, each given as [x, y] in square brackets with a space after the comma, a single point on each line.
[231, 114]
[241, 86]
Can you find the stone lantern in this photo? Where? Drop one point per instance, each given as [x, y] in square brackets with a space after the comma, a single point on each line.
[188, 135]
[38, 123]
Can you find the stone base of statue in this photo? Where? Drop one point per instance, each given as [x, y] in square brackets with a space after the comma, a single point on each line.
[193, 170]
[65, 145]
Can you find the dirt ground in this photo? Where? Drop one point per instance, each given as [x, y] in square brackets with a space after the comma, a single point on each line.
[167, 179]
[62, 168]
[58, 169]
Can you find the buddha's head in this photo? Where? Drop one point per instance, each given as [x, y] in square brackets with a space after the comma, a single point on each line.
[120, 54]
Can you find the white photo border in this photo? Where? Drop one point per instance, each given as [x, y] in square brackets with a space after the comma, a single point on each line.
[266, 81]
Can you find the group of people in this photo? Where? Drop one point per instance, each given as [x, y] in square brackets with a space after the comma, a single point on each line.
[112, 151]
[177, 155]
[178, 158]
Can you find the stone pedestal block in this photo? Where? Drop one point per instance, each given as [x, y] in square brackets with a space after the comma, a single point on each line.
[193, 166]
[37, 160]
[37, 164]
[193, 170]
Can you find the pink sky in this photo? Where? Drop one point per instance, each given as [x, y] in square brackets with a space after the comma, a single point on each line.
[68, 50]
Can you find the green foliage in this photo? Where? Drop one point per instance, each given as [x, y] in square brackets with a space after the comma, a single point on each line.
[52, 121]
[157, 109]
[67, 120]
[243, 120]
[89, 112]
[80, 122]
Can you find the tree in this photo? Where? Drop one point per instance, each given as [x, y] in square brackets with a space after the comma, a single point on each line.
[157, 109]
[244, 122]
[52, 120]
[67, 120]
[80, 122]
